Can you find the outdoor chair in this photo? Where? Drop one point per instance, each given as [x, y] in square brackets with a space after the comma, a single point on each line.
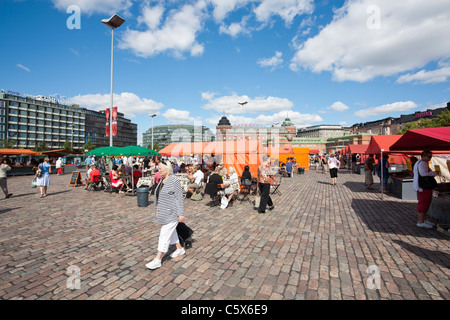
[274, 187]
[93, 186]
[245, 189]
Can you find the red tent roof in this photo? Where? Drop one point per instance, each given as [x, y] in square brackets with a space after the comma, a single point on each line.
[17, 152]
[358, 148]
[382, 142]
[424, 139]
[314, 151]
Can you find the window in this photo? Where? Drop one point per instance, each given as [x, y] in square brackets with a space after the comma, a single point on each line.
[32, 107]
[23, 128]
[31, 121]
[32, 114]
[13, 111]
[23, 120]
[24, 105]
[13, 104]
[31, 128]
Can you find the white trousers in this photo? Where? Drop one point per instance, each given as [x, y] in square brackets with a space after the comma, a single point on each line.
[168, 236]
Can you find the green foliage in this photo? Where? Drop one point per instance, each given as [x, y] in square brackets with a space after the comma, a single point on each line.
[442, 120]
[41, 147]
[155, 147]
[8, 143]
[67, 145]
[88, 146]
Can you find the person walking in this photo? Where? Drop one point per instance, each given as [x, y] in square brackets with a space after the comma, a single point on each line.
[424, 195]
[369, 164]
[265, 175]
[43, 181]
[169, 209]
[4, 167]
[324, 164]
[333, 164]
[58, 166]
[383, 164]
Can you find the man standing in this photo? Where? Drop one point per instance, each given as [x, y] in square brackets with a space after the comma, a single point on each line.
[265, 175]
[3, 168]
[368, 172]
[88, 162]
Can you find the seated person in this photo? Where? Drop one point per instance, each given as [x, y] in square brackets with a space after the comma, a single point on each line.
[176, 169]
[215, 183]
[136, 174]
[116, 181]
[233, 182]
[198, 177]
[94, 176]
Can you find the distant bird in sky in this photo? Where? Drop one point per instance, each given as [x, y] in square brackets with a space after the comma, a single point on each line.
[242, 103]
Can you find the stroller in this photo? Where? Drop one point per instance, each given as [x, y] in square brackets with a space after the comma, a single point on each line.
[185, 235]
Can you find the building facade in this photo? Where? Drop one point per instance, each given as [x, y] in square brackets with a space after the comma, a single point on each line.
[164, 135]
[28, 121]
[391, 125]
[322, 131]
[95, 130]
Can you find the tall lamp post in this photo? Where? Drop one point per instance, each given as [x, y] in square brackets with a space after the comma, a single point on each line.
[114, 22]
[152, 116]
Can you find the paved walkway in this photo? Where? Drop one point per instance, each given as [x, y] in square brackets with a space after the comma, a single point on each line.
[318, 243]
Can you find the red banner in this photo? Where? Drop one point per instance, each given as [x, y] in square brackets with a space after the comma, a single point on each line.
[114, 122]
[107, 122]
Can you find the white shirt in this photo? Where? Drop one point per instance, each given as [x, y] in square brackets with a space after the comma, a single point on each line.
[58, 164]
[199, 176]
[424, 170]
[333, 163]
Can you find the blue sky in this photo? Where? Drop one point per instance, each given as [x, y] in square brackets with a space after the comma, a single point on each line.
[318, 62]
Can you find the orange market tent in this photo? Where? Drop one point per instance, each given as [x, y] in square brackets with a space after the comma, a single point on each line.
[302, 157]
[358, 148]
[281, 153]
[183, 149]
[16, 152]
[238, 154]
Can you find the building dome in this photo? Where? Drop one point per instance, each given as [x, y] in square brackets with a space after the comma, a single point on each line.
[287, 123]
[224, 122]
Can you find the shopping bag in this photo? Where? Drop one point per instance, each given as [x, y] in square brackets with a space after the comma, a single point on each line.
[34, 183]
[223, 202]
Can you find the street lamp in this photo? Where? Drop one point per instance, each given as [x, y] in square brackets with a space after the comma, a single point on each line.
[114, 22]
[152, 115]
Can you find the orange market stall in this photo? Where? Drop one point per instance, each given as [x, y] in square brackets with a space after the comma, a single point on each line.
[302, 158]
[237, 154]
[19, 161]
[436, 140]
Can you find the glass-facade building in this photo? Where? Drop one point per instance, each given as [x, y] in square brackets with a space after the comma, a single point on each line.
[29, 121]
[166, 134]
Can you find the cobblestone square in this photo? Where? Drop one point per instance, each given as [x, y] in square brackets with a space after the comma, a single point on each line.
[320, 242]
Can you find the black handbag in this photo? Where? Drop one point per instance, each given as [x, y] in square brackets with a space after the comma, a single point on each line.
[427, 182]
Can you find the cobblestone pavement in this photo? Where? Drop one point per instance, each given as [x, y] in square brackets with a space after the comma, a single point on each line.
[317, 243]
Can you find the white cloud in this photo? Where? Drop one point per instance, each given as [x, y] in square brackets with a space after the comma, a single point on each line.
[338, 107]
[178, 116]
[255, 105]
[297, 118]
[177, 34]
[128, 103]
[273, 62]
[386, 109]
[235, 29]
[23, 67]
[286, 9]
[223, 7]
[90, 7]
[357, 46]
[424, 77]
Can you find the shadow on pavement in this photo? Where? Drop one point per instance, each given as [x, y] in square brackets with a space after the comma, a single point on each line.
[435, 256]
[392, 217]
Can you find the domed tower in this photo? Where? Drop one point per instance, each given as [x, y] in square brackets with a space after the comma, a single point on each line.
[221, 129]
[290, 127]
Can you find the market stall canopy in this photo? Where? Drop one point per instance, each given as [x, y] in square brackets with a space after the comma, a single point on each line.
[434, 139]
[183, 149]
[314, 151]
[381, 142]
[59, 153]
[136, 151]
[358, 148]
[16, 152]
[103, 151]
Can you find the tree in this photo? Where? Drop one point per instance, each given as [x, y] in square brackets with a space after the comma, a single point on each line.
[88, 146]
[155, 147]
[443, 120]
[67, 145]
[8, 143]
[41, 147]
